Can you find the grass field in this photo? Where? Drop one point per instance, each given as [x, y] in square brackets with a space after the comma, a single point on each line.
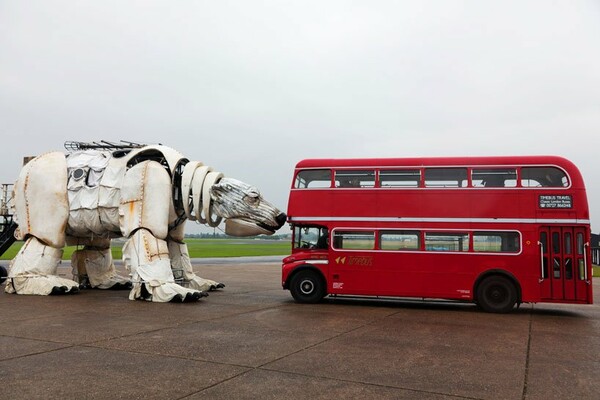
[208, 248]
[198, 248]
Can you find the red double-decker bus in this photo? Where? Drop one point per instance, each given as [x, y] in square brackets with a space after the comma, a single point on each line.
[497, 231]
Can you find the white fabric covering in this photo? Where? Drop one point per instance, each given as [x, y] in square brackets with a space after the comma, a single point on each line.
[93, 193]
[182, 266]
[97, 197]
[33, 270]
[98, 266]
[40, 200]
[147, 259]
[145, 199]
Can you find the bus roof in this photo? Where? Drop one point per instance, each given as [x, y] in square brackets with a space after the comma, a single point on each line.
[439, 161]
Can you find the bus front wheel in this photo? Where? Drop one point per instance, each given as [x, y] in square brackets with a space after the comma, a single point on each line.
[496, 294]
[307, 287]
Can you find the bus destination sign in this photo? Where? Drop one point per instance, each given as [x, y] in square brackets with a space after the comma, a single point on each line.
[556, 201]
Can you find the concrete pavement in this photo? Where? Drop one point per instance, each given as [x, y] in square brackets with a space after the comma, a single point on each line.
[252, 341]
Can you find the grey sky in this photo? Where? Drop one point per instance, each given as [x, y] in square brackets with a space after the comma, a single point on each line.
[251, 87]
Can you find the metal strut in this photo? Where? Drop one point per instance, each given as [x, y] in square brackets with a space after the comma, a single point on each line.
[72, 145]
[7, 225]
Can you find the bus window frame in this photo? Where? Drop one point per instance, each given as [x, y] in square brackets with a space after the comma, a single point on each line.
[355, 183]
[334, 231]
[468, 182]
[300, 171]
[382, 171]
[316, 243]
[521, 179]
[462, 182]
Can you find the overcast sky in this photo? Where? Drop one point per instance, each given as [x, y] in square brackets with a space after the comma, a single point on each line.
[252, 87]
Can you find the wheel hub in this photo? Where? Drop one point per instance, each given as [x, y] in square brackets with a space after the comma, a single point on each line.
[307, 287]
[497, 294]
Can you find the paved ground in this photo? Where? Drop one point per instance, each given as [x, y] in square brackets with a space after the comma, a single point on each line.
[251, 341]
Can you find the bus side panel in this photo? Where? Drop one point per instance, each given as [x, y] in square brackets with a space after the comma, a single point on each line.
[400, 274]
[320, 204]
[352, 272]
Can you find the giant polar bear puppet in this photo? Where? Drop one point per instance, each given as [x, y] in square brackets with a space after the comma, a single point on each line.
[142, 193]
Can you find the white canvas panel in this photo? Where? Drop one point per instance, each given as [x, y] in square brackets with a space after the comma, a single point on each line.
[114, 173]
[109, 197]
[93, 177]
[74, 199]
[88, 198]
[76, 223]
[109, 218]
[95, 159]
[83, 222]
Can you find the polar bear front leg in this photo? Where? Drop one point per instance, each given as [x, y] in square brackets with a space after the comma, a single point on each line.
[147, 259]
[33, 271]
[182, 268]
[144, 218]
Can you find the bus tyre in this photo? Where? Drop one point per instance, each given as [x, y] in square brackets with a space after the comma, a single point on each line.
[496, 294]
[3, 274]
[307, 287]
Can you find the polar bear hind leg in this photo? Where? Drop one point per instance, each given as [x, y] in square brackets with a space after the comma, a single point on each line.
[93, 266]
[33, 271]
[41, 210]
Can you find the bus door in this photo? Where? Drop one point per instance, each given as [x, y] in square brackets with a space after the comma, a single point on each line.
[563, 263]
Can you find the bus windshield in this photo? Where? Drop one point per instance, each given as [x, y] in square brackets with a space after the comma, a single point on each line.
[310, 237]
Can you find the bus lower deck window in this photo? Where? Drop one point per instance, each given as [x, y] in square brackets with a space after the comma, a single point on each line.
[399, 240]
[442, 241]
[497, 242]
[354, 240]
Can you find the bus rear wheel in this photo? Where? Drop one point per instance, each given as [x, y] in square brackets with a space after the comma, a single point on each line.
[496, 294]
[307, 287]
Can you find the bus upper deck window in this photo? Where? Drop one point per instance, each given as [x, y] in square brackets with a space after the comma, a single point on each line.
[543, 177]
[445, 177]
[313, 178]
[402, 178]
[496, 177]
[354, 178]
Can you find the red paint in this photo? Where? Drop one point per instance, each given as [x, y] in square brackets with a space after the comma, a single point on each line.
[471, 209]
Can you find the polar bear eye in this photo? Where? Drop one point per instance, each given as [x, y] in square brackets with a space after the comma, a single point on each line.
[252, 198]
